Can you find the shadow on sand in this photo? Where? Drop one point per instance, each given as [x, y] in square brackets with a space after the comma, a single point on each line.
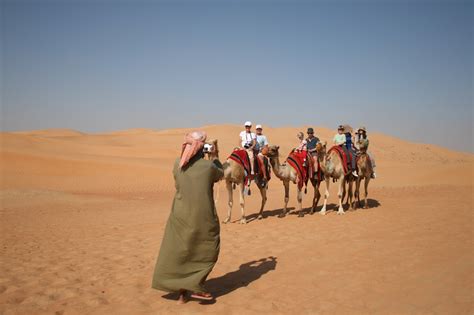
[246, 274]
[372, 203]
[268, 213]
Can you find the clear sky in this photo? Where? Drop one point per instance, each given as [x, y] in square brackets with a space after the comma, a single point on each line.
[403, 68]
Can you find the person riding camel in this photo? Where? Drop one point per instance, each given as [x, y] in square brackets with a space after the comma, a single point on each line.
[261, 139]
[340, 140]
[248, 142]
[311, 141]
[362, 144]
[302, 146]
[260, 147]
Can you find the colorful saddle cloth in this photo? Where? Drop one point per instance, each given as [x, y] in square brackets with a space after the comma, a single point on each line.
[346, 160]
[242, 157]
[304, 170]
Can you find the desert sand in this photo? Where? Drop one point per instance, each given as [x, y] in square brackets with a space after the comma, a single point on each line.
[83, 216]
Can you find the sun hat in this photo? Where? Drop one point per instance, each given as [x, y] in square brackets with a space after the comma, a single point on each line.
[362, 128]
[258, 127]
[248, 124]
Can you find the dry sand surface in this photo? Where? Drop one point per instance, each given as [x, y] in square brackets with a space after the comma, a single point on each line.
[83, 216]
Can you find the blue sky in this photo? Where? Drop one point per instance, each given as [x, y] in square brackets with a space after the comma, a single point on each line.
[403, 68]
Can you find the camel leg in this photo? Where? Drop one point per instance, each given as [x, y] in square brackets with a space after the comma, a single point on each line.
[287, 197]
[326, 196]
[339, 194]
[299, 198]
[366, 187]
[316, 196]
[242, 203]
[263, 192]
[228, 186]
[349, 197]
[356, 193]
[343, 193]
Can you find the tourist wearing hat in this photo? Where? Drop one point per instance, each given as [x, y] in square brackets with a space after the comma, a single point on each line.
[260, 148]
[248, 141]
[302, 142]
[340, 140]
[311, 141]
[261, 139]
[362, 143]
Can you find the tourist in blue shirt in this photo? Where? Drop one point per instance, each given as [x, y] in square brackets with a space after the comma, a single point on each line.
[311, 141]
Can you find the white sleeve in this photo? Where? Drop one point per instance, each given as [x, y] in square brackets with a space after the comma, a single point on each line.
[265, 141]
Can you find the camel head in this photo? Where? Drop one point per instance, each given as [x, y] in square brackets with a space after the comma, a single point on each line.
[321, 150]
[321, 147]
[273, 151]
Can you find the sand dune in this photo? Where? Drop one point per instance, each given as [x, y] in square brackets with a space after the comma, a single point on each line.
[83, 215]
[54, 132]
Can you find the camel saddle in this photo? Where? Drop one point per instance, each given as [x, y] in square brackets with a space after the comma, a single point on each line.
[261, 165]
[346, 160]
[242, 157]
[296, 159]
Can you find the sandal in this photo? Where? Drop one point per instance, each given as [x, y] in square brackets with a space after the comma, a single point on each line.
[182, 296]
[202, 296]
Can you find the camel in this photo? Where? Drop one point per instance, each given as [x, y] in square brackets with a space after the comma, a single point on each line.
[234, 174]
[287, 174]
[332, 167]
[365, 172]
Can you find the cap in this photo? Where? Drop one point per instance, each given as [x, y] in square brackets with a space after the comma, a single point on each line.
[341, 127]
[310, 130]
[361, 128]
[248, 123]
[258, 127]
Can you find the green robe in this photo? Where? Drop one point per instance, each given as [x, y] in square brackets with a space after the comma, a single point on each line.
[190, 245]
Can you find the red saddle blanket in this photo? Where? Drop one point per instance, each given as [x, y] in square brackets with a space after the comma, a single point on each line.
[297, 160]
[242, 157]
[346, 160]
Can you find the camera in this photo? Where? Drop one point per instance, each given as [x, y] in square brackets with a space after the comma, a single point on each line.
[208, 148]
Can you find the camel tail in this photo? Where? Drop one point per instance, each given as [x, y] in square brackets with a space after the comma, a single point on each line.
[234, 185]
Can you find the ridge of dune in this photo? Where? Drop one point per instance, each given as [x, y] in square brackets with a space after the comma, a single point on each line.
[28, 159]
[131, 131]
[50, 132]
[386, 147]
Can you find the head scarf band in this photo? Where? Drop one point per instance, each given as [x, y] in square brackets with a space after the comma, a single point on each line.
[193, 143]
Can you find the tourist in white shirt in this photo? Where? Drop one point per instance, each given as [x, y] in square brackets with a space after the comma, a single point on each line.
[261, 139]
[248, 141]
